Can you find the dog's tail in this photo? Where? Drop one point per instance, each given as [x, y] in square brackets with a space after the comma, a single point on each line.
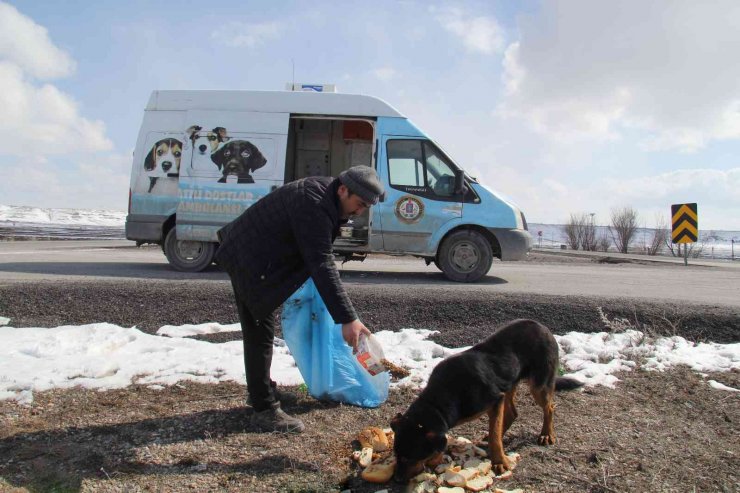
[567, 383]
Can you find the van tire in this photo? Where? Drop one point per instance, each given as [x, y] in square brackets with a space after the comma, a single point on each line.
[188, 256]
[465, 256]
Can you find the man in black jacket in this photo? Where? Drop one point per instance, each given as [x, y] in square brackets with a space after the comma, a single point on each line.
[270, 251]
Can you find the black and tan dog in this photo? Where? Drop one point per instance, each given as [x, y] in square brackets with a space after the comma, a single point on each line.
[482, 379]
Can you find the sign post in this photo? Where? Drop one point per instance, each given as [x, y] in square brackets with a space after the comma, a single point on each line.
[685, 221]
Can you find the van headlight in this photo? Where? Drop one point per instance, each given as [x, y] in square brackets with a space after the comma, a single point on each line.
[521, 221]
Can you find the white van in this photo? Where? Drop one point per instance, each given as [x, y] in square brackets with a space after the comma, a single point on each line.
[203, 157]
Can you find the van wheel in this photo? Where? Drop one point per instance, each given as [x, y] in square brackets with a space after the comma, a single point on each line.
[188, 256]
[465, 256]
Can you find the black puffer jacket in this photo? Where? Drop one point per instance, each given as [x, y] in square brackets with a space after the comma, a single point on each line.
[282, 239]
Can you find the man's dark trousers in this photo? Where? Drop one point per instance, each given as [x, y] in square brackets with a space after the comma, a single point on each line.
[258, 337]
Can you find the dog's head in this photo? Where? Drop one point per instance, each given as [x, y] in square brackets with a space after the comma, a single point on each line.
[206, 142]
[164, 158]
[238, 157]
[416, 441]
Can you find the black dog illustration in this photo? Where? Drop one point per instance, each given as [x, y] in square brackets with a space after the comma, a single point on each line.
[239, 158]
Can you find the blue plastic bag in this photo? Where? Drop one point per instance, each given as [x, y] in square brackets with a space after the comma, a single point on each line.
[325, 361]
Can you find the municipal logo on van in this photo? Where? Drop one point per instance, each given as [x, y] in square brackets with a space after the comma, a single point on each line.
[409, 209]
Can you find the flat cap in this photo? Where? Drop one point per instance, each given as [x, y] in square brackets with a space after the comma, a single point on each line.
[363, 181]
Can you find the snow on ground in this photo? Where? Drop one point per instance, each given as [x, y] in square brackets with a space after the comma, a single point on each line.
[70, 217]
[193, 330]
[105, 356]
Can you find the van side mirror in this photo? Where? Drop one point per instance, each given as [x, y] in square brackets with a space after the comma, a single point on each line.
[460, 182]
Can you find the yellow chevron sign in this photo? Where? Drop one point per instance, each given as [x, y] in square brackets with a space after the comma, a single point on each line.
[685, 223]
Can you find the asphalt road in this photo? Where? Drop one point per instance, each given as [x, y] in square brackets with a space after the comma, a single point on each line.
[708, 283]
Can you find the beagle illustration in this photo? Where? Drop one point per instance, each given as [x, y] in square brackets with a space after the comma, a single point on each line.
[162, 161]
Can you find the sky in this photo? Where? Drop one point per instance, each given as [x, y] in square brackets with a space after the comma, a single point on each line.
[104, 356]
[566, 107]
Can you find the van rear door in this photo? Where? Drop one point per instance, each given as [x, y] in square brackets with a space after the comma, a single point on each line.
[232, 159]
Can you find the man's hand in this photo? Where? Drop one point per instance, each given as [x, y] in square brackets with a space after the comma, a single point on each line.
[351, 333]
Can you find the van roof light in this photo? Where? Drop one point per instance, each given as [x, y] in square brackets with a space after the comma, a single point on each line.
[298, 86]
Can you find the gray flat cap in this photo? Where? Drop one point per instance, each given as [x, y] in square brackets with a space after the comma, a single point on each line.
[363, 181]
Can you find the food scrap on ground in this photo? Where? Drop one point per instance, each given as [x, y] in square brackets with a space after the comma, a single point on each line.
[463, 468]
[397, 372]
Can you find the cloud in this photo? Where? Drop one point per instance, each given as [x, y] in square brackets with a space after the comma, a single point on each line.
[384, 73]
[479, 34]
[38, 118]
[589, 70]
[242, 34]
[42, 119]
[27, 45]
[686, 185]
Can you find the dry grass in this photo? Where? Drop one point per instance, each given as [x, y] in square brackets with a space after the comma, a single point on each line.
[655, 432]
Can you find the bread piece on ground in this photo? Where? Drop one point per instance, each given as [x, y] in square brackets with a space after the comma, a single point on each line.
[514, 457]
[373, 437]
[485, 467]
[469, 473]
[445, 489]
[366, 456]
[380, 471]
[453, 478]
[479, 484]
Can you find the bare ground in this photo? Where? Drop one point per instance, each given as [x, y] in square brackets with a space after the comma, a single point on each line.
[654, 432]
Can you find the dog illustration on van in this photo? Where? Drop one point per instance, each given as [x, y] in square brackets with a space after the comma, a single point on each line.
[238, 158]
[206, 142]
[162, 162]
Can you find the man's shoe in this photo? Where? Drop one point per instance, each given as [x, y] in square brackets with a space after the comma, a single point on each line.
[285, 398]
[277, 420]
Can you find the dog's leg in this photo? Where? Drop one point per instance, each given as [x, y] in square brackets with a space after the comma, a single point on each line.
[543, 396]
[510, 412]
[495, 438]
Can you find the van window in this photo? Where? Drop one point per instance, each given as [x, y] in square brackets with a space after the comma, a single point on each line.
[405, 163]
[418, 163]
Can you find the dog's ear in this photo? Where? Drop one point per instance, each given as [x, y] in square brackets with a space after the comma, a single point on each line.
[396, 422]
[256, 159]
[192, 131]
[218, 157]
[220, 133]
[151, 159]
